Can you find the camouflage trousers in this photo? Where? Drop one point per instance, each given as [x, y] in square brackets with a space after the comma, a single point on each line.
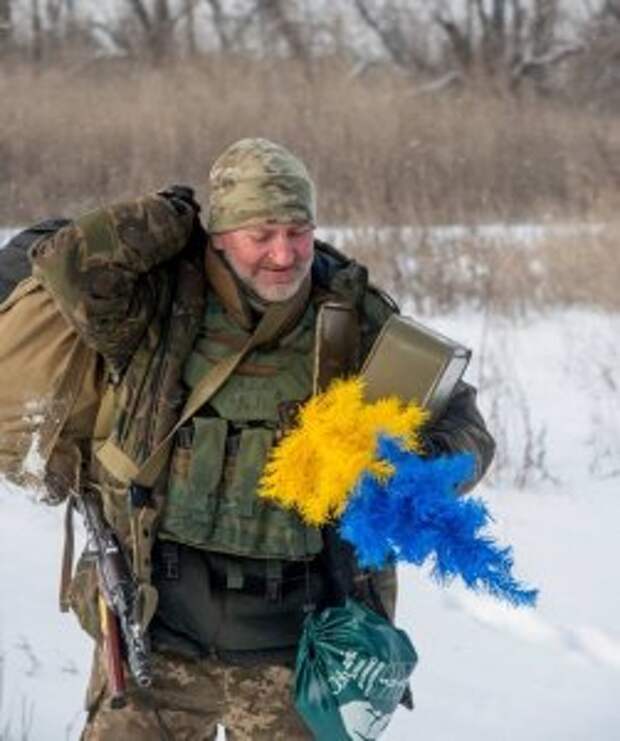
[190, 698]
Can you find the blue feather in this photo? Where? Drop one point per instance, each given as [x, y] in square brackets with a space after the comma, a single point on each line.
[416, 515]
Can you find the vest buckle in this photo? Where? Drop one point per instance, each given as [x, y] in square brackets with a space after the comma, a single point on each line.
[170, 561]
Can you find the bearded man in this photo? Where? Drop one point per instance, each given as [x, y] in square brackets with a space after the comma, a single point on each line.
[224, 319]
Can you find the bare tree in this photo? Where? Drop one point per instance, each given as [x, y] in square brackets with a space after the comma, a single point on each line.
[189, 7]
[220, 24]
[611, 9]
[596, 74]
[37, 30]
[6, 24]
[156, 24]
[507, 40]
[149, 26]
[388, 24]
[230, 27]
[278, 19]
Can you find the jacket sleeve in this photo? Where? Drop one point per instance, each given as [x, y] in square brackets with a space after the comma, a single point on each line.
[461, 429]
[101, 269]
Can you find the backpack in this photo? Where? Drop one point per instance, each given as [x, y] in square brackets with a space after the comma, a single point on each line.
[43, 366]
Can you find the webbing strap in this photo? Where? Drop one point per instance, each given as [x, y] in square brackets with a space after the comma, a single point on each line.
[67, 390]
[105, 414]
[274, 573]
[234, 575]
[118, 463]
[66, 568]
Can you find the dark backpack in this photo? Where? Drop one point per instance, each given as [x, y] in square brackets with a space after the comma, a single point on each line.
[14, 263]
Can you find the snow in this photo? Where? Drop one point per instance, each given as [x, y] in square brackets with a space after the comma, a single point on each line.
[524, 234]
[5, 234]
[491, 672]
[44, 656]
[549, 387]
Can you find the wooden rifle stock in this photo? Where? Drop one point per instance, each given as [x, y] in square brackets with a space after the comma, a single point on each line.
[122, 632]
[113, 657]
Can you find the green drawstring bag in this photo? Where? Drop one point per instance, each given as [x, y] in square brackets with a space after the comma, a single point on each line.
[352, 670]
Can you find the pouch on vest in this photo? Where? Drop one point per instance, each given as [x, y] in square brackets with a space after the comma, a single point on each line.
[211, 501]
[195, 472]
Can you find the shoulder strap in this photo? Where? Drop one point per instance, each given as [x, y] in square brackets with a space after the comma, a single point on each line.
[337, 343]
[66, 569]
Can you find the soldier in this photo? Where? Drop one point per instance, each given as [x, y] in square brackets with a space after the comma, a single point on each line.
[226, 317]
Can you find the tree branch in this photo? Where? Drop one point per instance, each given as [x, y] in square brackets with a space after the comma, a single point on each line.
[141, 14]
[449, 80]
[461, 43]
[117, 37]
[529, 64]
[392, 38]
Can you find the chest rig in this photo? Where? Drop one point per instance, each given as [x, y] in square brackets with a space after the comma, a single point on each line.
[219, 455]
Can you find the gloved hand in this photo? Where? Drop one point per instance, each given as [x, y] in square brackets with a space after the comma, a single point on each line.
[181, 198]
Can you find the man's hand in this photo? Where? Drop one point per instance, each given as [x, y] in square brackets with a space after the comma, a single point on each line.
[181, 197]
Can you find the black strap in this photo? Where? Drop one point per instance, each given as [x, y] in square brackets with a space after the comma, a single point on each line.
[274, 571]
[169, 560]
[14, 263]
[140, 496]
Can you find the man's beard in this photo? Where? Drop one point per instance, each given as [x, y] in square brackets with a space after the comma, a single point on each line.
[270, 292]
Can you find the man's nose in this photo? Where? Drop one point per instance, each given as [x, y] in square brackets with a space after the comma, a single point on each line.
[282, 251]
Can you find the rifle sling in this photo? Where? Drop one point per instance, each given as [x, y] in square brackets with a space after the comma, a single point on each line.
[66, 569]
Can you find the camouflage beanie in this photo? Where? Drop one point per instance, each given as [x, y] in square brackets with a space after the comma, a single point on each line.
[257, 182]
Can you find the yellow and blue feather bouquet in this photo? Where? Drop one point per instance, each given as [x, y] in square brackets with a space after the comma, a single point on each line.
[362, 465]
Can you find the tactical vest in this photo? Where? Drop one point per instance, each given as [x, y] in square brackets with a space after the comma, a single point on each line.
[218, 458]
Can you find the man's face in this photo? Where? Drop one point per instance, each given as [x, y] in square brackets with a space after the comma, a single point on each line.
[271, 259]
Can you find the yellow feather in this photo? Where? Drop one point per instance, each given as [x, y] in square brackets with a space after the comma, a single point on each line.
[316, 466]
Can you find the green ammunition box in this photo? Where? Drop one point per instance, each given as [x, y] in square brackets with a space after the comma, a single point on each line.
[415, 363]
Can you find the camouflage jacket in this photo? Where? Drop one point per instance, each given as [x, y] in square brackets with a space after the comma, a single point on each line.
[131, 279]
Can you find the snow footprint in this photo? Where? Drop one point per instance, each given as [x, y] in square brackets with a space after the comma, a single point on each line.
[589, 641]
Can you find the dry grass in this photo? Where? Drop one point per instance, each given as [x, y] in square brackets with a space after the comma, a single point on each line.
[495, 275]
[582, 272]
[70, 138]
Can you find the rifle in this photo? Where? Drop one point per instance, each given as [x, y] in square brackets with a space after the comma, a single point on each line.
[122, 631]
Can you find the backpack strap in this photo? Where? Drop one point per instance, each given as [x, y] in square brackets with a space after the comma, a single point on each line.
[105, 415]
[66, 569]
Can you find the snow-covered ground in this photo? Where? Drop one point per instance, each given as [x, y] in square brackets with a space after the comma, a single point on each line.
[550, 387]
[491, 672]
[523, 234]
